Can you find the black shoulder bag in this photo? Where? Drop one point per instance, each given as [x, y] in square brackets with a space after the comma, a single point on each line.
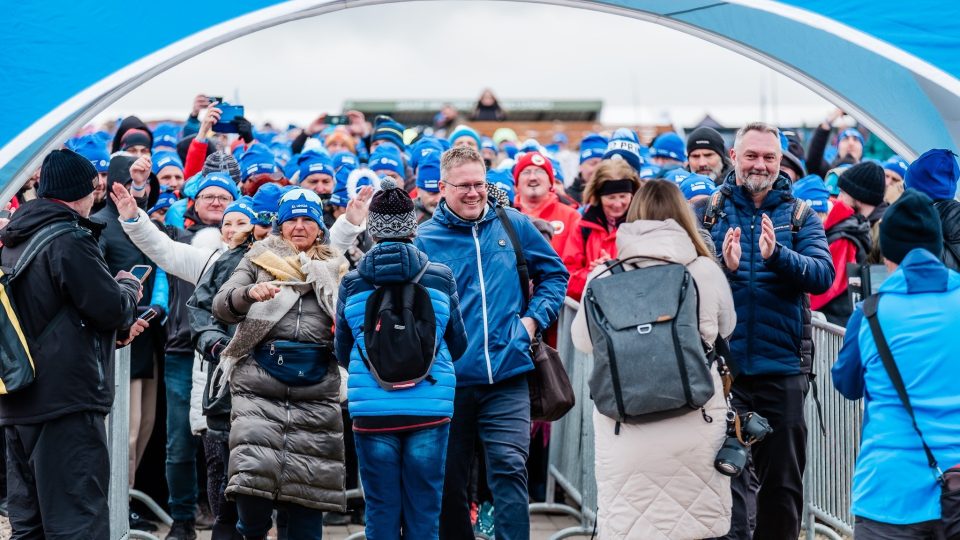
[551, 394]
[949, 481]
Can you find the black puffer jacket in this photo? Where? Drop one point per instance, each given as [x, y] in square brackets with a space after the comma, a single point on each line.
[71, 308]
[949, 211]
[209, 335]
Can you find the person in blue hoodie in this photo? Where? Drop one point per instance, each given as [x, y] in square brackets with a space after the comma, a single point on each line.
[895, 492]
[401, 435]
[492, 400]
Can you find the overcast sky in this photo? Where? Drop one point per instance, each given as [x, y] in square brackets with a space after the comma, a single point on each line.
[452, 50]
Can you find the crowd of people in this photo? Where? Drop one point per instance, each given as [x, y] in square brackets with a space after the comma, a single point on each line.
[340, 304]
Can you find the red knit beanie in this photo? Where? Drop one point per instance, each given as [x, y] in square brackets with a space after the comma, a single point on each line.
[532, 159]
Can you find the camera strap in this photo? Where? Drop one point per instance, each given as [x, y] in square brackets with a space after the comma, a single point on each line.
[870, 306]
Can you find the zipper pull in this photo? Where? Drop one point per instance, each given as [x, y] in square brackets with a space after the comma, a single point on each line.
[273, 349]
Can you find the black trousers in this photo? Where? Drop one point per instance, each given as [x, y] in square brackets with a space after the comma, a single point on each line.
[768, 495]
[867, 529]
[58, 474]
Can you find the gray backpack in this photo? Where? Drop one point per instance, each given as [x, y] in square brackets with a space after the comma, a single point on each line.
[649, 360]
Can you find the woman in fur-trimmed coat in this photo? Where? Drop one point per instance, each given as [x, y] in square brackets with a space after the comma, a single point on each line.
[286, 436]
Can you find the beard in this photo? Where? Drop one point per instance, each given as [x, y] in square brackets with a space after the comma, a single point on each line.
[710, 172]
[756, 182]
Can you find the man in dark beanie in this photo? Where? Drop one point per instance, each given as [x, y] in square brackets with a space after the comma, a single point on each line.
[848, 233]
[707, 155]
[401, 434]
[917, 313]
[935, 174]
[73, 312]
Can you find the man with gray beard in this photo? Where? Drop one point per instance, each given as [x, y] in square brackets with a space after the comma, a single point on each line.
[775, 253]
[707, 155]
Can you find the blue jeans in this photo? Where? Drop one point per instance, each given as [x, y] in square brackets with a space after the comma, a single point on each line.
[402, 475]
[256, 518]
[181, 443]
[500, 415]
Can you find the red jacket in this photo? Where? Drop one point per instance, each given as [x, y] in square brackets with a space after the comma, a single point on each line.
[842, 251]
[565, 220]
[196, 156]
[578, 253]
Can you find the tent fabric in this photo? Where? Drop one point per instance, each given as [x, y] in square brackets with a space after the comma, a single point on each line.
[893, 65]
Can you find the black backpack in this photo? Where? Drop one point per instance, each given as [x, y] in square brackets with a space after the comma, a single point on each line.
[17, 369]
[400, 334]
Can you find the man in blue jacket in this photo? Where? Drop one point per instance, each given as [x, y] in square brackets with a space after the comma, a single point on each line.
[774, 252]
[492, 400]
[895, 493]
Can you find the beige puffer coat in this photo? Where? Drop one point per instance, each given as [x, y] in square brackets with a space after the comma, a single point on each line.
[286, 442]
[656, 480]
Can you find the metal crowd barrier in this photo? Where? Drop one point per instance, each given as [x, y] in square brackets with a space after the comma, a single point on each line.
[830, 458]
[118, 431]
[571, 451]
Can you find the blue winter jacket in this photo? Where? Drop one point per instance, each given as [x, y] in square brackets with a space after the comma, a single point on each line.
[919, 313]
[485, 268]
[399, 262]
[770, 295]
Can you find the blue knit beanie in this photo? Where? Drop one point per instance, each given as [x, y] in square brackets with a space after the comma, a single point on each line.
[695, 185]
[422, 148]
[811, 189]
[850, 132]
[243, 205]
[94, 150]
[626, 150]
[265, 203]
[388, 130]
[897, 165]
[220, 180]
[464, 131]
[386, 158]
[258, 159]
[669, 145]
[428, 174]
[300, 202]
[166, 135]
[166, 159]
[313, 162]
[935, 174]
[344, 159]
[593, 146]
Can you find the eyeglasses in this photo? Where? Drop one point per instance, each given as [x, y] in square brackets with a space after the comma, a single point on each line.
[466, 188]
[225, 199]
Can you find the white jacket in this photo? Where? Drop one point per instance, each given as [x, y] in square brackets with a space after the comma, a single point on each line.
[656, 480]
[189, 262]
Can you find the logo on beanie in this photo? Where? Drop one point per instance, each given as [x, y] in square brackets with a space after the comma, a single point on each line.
[537, 160]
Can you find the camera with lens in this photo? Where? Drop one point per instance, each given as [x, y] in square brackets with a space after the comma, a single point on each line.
[743, 433]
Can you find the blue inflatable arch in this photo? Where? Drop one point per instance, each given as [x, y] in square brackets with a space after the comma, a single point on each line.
[895, 66]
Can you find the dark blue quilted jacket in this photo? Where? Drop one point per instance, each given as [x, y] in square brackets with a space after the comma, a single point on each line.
[773, 331]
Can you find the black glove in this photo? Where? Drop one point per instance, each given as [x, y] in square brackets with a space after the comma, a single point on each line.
[244, 129]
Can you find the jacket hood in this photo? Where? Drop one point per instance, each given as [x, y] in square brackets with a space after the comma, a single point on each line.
[128, 123]
[446, 217]
[38, 213]
[921, 272]
[391, 262]
[661, 239]
[120, 172]
[838, 213]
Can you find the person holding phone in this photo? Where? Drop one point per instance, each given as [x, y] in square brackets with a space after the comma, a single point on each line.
[74, 313]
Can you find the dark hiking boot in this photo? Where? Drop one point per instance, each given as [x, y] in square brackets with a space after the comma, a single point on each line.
[182, 530]
[336, 519]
